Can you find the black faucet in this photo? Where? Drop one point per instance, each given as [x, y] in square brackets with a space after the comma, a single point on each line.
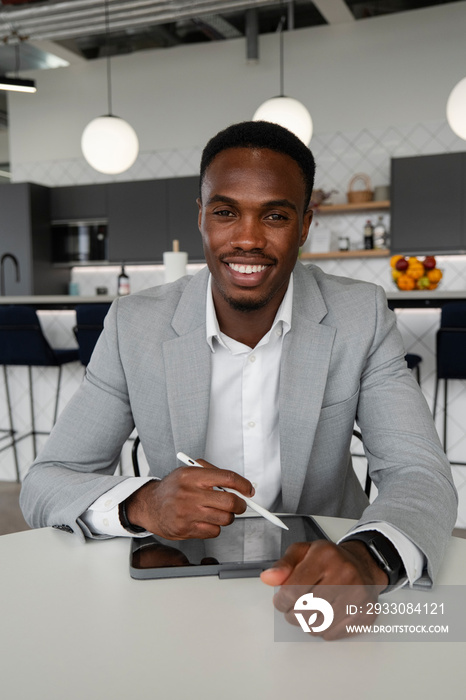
[2, 276]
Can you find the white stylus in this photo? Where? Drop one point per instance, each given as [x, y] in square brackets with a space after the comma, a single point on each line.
[259, 509]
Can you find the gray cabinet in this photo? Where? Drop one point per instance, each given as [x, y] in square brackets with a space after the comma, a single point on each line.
[183, 215]
[25, 233]
[137, 221]
[78, 202]
[428, 209]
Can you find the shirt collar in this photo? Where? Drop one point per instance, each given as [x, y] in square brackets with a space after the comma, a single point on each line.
[283, 315]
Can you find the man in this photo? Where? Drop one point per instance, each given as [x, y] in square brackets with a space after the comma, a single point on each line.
[260, 369]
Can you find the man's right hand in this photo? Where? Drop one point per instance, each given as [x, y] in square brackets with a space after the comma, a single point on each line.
[184, 504]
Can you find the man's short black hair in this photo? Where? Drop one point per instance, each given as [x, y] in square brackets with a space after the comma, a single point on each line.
[258, 134]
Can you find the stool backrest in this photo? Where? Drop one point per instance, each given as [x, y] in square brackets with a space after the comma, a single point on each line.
[454, 315]
[451, 342]
[89, 325]
[22, 341]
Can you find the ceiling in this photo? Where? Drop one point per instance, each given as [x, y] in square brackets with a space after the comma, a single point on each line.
[42, 34]
[51, 32]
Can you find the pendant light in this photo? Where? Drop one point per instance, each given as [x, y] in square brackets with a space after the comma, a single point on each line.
[456, 109]
[17, 84]
[286, 111]
[109, 144]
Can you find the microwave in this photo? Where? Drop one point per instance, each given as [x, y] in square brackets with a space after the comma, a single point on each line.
[79, 241]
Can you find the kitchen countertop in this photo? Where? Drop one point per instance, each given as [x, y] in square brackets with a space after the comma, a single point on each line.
[64, 301]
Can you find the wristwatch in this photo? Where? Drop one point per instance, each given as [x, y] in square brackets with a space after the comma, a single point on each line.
[135, 529]
[384, 554]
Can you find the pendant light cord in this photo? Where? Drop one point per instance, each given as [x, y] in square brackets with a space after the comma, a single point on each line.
[280, 31]
[109, 71]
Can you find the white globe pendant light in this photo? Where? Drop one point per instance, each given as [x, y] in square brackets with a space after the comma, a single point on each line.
[286, 111]
[456, 109]
[289, 113]
[109, 144]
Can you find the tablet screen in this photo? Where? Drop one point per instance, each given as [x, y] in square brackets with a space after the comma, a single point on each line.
[245, 548]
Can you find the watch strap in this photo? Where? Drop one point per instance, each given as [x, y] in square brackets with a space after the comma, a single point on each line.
[383, 552]
[136, 529]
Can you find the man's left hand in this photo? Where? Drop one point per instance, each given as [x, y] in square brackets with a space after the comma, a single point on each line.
[306, 565]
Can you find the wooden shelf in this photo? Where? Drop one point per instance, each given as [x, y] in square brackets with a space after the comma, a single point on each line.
[375, 253]
[347, 208]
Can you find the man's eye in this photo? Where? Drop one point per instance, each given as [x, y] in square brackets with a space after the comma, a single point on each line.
[277, 217]
[223, 212]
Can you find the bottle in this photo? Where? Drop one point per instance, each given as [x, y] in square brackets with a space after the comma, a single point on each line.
[380, 234]
[123, 283]
[368, 235]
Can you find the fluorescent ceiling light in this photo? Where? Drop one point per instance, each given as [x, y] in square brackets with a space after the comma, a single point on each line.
[17, 84]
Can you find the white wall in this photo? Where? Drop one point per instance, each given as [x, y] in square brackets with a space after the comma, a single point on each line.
[393, 70]
[4, 147]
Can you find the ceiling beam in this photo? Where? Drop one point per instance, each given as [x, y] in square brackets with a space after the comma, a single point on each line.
[334, 11]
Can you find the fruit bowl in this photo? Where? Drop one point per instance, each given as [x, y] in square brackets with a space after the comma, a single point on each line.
[415, 274]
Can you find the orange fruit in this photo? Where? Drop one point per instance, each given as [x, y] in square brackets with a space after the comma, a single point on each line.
[405, 283]
[434, 275]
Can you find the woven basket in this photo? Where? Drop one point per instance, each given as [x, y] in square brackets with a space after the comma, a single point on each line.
[359, 196]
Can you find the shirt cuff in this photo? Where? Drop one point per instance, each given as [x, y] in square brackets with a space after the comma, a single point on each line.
[413, 559]
[102, 517]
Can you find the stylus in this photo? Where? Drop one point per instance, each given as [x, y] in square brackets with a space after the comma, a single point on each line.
[259, 509]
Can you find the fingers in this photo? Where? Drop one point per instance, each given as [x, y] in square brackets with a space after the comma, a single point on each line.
[284, 567]
[185, 503]
[225, 478]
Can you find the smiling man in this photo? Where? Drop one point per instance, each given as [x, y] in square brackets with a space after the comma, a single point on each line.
[259, 367]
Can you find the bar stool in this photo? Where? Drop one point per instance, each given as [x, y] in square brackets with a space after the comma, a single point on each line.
[413, 361]
[89, 325]
[22, 342]
[450, 354]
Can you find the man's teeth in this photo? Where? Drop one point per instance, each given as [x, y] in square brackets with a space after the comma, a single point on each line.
[247, 269]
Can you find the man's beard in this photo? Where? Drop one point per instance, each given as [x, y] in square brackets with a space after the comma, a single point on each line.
[245, 305]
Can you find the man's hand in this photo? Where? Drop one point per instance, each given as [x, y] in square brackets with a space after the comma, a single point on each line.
[184, 504]
[328, 570]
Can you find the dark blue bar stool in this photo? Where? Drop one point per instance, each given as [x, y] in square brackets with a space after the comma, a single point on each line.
[22, 342]
[89, 325]
[413, 361]
[451, 354]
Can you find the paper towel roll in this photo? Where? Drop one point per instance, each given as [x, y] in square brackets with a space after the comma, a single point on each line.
[175, 265]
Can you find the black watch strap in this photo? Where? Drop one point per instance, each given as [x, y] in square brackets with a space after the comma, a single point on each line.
[383, 552]
[125, 522]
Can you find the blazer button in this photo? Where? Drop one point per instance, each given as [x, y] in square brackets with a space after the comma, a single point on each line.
[65, 528]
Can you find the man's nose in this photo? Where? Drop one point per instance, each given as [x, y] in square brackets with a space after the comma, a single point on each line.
[248, 234]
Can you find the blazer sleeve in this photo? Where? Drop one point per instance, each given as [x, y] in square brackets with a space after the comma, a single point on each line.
[416, 493]
[78, 462]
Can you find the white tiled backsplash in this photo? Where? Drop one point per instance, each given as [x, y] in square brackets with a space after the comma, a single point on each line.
[89, 278]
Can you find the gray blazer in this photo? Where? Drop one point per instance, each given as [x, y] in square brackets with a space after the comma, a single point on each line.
[342, 361]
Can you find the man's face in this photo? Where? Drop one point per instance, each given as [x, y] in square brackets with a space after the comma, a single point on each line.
[252, 223]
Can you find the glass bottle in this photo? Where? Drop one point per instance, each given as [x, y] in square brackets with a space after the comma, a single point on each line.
[123, 283]
[368, 235]
[380, 234]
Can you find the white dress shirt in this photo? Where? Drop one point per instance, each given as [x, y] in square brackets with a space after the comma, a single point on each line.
[243, 428]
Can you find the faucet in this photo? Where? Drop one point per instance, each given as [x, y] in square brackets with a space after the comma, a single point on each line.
[2, 276]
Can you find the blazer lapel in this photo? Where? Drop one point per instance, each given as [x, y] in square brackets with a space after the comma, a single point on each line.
[188, 370]
[304, 367]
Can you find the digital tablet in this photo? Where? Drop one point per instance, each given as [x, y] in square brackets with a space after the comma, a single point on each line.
[243, 549]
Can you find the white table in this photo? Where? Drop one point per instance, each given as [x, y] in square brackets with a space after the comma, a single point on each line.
[75, 626]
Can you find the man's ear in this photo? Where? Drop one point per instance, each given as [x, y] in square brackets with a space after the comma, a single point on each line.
[308, 214]
[199, 216]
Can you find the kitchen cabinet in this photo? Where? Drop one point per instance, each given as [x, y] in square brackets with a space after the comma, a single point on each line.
[82, 202]
[25, 233]
[182, 193]
[137, 220]
[428, 204]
